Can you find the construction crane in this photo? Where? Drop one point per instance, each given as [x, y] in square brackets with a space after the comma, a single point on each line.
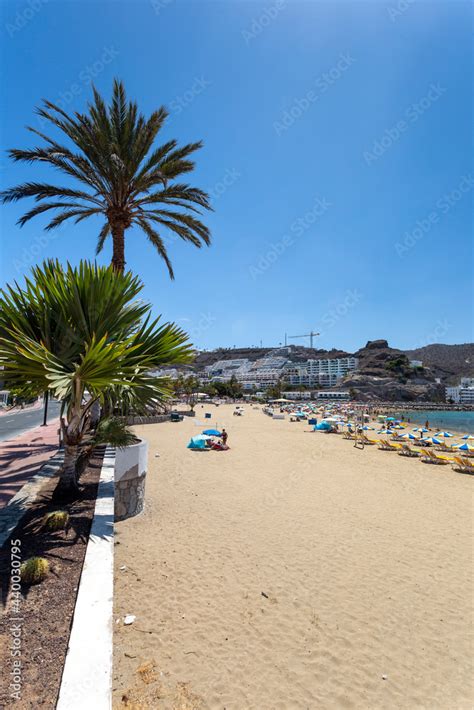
[310, 335]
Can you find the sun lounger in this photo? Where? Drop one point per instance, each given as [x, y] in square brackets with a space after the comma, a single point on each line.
[431, 457]
[387, 446]
[367, 441]
[463, 465]
[348, 435]
[408, 451]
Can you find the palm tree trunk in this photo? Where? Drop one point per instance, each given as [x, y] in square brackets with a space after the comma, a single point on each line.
[68, 488]
[95, 414]
[118, 241]
[71, 452]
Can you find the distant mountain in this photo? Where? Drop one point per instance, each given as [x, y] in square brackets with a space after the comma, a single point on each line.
[295, 353]
[377, 362]
[449, 362]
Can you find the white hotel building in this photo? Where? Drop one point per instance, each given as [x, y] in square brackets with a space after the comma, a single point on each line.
[274, 368]
[322, 373]
[463, 393]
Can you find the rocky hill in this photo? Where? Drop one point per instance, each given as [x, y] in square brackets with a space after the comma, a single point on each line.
[449, 362]
[385, 374]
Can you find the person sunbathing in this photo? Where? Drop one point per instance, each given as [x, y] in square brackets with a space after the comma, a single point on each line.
[219, 446]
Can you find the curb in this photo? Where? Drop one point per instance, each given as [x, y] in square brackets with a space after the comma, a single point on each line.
[14, 510]
[87, 673]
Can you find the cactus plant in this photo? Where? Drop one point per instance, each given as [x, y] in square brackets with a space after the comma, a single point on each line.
[56, 520]
[34, 570]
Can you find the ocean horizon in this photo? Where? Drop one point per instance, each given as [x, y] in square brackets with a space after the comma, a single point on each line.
[460, 421]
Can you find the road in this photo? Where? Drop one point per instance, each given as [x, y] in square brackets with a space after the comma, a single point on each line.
[13, 424]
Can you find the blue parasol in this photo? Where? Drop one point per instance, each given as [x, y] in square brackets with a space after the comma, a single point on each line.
[464, 447]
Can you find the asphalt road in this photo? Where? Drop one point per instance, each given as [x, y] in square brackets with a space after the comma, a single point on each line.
[12, 425]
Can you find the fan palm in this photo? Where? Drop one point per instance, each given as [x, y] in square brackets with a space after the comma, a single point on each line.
[122, 177]
[81, 333]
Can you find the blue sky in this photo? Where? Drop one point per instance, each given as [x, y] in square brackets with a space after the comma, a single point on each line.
[338, 151]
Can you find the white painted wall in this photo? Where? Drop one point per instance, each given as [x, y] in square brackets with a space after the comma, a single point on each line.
[130, 456]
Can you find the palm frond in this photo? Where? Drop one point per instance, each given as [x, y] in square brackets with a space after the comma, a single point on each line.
[157, 242]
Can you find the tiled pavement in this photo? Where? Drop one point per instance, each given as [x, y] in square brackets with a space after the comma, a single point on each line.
[22, 457]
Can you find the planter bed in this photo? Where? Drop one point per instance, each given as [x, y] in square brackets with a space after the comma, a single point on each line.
[46, 609]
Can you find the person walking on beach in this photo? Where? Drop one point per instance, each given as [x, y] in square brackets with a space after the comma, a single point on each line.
[224, 436]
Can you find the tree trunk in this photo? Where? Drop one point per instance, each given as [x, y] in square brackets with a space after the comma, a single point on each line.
[118, 240]
[95, 414]
[67, 488]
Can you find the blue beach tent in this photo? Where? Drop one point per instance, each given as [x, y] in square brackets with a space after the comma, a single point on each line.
[198, 443]
[322, 426]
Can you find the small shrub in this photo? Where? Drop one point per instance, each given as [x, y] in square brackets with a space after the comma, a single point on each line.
[114, 432]
[56, 520]
[34, 570]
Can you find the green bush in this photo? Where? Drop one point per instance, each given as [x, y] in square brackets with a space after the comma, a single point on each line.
[114, 432]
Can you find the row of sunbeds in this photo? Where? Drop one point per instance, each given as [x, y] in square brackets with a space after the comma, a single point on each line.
[462, 464]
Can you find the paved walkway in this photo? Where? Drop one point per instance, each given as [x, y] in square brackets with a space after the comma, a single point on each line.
[21, 457]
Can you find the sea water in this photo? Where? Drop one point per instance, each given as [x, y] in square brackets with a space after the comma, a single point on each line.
[444, 420]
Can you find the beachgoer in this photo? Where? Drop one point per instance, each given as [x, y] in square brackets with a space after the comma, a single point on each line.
[427, 424]
[224, 436]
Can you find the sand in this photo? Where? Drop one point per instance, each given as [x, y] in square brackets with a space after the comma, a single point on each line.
[293, 572]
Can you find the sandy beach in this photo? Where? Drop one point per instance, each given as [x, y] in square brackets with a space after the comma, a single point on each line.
[293, 572]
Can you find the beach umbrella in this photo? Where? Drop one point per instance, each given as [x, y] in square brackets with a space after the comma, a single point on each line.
[385, 431]
[422, 429]
[468, 436]
[434, 440]
[367, 428]
[464, 447]
[409, 436]
[446, 434]
[211, 432]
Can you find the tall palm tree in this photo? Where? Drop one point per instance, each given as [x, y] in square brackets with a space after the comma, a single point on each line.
[121, 176]
[82, 334]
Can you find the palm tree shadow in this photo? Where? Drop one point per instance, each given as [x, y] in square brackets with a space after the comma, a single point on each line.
[57, 546]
